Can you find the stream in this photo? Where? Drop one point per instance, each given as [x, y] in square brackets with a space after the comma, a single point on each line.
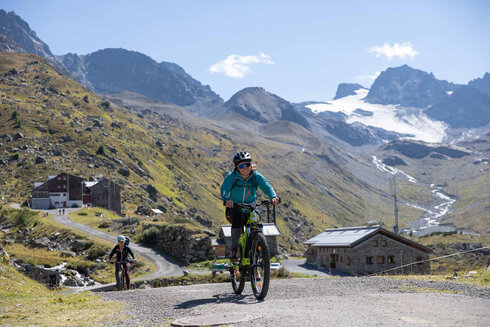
[431, 220]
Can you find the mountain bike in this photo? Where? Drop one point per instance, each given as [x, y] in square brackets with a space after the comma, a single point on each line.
[120, 275]
[253, 254]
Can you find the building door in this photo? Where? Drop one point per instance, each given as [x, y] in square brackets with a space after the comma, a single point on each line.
[322, 261]
[333, 259]
[64, 204]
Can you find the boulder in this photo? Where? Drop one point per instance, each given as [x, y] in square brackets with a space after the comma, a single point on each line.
[18, 136]
[40, 160]
[67, 253]
[124, 171]
[74, 281]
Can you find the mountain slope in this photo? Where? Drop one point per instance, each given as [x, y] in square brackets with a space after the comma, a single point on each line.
[52, 124]
[466, 107]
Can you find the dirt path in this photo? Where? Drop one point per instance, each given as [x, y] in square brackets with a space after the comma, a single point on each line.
[346, 301]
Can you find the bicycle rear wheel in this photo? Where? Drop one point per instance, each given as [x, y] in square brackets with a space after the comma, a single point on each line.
[237, 277]
[120, 279]
[261, 266]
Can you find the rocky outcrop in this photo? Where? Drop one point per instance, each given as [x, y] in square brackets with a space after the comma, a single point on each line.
[418, 149]
[346, 89]
[179, 242]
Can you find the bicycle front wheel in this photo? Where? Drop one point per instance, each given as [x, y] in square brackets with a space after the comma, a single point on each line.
[237, 277]
[261, 266]
[120, 279]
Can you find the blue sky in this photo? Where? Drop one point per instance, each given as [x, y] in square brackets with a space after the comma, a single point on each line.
[299, 50]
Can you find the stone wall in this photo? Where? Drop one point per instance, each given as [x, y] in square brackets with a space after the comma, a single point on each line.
[183, 244]
[388, 254]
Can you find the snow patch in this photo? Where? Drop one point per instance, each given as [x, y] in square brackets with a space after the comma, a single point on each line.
[394, 118]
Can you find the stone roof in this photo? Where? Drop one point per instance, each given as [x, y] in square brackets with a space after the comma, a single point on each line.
[352, 236]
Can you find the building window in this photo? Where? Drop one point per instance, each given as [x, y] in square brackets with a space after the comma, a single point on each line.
[348, 261]
[383, 243]
[419, 261]
[375, 243]
[380, 259]
[391, 259]
[369, 260]
[341, 259]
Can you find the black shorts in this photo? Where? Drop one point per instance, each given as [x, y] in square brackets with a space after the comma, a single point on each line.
[235, 217]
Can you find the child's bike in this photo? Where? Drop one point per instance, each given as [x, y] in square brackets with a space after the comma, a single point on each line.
[253, 257]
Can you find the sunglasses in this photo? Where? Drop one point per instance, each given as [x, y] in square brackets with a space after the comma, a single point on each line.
[243, 165]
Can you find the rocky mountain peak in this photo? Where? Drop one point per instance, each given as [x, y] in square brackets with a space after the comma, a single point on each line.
[481, 84]
[116, 70]
[16, 29]
[408, 87]
[346, 89]
[259, 105]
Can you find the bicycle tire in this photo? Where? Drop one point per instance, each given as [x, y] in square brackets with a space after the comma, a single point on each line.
[237, 277]
[261, 263]
[123, 277]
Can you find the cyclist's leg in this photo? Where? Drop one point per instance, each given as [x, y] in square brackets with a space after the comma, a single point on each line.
[237, 221]
[126, 272]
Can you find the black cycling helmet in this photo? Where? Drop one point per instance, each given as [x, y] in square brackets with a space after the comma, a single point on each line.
[241, 156]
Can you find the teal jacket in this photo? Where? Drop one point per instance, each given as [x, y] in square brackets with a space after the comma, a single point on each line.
[239, 191]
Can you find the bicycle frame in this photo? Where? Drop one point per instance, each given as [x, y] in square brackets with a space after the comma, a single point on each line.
[250, 226]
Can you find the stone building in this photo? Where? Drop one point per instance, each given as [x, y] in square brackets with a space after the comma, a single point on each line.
[106, 194]
[223, 243]
[365, 250]
[61, 191]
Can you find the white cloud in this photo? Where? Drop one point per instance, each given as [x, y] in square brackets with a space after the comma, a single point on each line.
[369, 76]
[396, 50]
[237, 66]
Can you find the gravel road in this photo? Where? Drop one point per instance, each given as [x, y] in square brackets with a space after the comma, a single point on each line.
[346, 301]
[164, 266]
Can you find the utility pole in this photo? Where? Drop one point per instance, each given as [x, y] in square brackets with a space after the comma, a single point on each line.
[395, 228]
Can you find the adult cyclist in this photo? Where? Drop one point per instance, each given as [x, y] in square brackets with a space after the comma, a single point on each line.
[122, 252]
[240, 186]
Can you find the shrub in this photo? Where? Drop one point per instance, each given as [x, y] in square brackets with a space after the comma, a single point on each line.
[149, 235]
[105, 104]
[96, 252]
[82, 214]
[14, 115]
[24, 218]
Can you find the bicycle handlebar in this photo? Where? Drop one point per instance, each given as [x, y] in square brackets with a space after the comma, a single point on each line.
[252, 205]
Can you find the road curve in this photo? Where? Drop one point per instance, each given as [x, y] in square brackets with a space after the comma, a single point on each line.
[164, 266]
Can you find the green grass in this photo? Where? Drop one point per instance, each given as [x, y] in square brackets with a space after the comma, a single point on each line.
[24, 302]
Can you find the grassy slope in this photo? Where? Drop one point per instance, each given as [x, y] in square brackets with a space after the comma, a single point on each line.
[469, 183]
[187, 171]
[24, 302]
[46, 226]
